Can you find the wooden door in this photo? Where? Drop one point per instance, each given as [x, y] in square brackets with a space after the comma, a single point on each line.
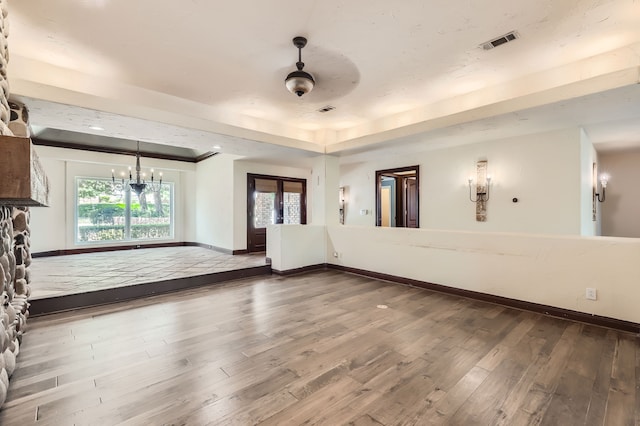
[262, 206]
[411, 202]
[273, 200]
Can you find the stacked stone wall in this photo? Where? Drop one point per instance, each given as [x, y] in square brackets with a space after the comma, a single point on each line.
[5, 111]
[15, 259]
[15, 253]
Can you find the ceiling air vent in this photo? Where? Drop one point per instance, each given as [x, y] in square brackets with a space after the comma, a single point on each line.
[500, 40]
[326, 109]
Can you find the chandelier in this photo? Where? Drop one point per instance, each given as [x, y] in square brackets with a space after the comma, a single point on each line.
[138, 185]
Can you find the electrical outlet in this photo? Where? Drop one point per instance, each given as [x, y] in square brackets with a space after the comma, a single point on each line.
[592, 294]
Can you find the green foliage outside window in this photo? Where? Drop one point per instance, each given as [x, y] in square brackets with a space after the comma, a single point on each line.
[102, 214]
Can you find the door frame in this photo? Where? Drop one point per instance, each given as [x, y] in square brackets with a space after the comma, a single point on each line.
[400, 174]
[406, 183]
[251, 178]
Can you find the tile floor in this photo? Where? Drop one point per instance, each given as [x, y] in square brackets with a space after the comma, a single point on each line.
[79, 273]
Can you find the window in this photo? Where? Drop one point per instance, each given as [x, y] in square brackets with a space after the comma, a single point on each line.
[105, 215]
[264, 209]
[292, 202]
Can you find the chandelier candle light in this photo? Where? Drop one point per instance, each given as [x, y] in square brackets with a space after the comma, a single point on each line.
[139, 185]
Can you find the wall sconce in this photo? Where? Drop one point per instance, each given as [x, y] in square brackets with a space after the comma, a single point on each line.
[482, 191]
[341, 203]
[597, 196]
[604, 179]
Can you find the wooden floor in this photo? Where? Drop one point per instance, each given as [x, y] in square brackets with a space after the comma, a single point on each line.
[318, 349]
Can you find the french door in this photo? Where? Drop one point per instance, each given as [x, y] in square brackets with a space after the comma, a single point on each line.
[273, 200]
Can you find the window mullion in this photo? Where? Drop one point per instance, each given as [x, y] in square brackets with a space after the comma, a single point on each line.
[127, 215]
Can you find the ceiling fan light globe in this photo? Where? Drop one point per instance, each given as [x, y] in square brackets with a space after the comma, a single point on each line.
[299, 82]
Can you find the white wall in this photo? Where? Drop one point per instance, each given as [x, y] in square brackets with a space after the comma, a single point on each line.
[621, 210]
[189, 200]
[588, 156]
[543, 171]
[214, 190]
[49, 224]
[546, 269]
[295, 246]
[53, 228]
[240, 170]
[324, 204]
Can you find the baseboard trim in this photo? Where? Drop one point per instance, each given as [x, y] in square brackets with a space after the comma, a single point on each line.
[209, 247]
[71, 302]
[299, 270]
[553, 311]
[84, 250]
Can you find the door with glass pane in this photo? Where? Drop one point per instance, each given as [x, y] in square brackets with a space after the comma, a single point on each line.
[272, 200]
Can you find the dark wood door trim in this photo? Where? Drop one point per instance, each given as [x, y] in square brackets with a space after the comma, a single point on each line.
[400, 193]
[411, 211]
[251, 178]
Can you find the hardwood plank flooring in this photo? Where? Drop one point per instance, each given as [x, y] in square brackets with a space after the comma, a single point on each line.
[316, 349]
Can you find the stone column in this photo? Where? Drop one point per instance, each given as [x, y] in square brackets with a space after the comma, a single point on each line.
[7, 258]
[13, 305]
[15, 253]
[4, 82]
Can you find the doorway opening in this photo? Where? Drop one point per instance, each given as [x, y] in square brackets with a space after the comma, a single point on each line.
[397, 197]
[273, 200]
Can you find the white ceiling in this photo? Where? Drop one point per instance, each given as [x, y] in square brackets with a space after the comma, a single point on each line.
[202, 73]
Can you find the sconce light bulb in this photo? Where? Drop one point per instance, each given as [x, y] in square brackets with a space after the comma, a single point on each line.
[488, 178]
[470, 180]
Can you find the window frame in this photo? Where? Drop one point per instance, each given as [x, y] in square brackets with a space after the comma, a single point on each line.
[127, 201]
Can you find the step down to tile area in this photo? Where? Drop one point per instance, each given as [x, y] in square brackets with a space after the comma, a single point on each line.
[68, 302]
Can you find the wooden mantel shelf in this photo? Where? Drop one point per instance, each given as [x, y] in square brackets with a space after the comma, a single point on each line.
[22, 178]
